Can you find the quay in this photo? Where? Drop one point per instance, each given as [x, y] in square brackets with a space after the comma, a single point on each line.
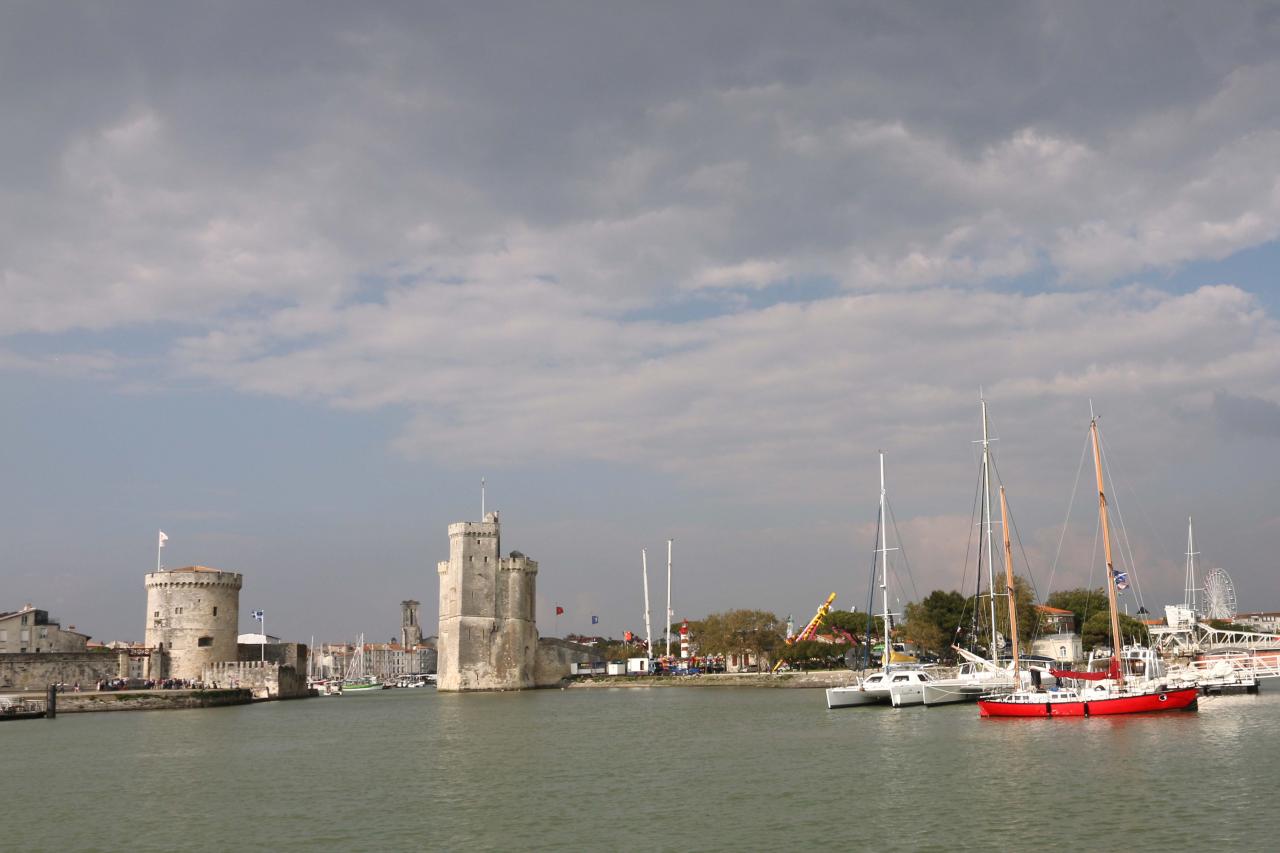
[32, 704]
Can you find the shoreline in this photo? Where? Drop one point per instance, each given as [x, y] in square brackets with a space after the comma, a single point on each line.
[759, 680]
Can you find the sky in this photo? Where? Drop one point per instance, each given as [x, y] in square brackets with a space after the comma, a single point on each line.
[288, 281]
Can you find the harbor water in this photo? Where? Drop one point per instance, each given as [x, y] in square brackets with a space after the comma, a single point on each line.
[636, 769]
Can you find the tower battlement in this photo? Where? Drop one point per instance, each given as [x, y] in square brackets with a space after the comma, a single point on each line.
[518, 563]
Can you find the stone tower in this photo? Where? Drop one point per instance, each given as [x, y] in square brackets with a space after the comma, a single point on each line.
[410, 629]
[193, 617]
[488, 635]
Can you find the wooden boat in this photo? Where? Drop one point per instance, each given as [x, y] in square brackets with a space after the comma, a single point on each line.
[1102, 693]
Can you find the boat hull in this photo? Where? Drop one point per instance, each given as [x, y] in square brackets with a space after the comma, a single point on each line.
[852, 697]
[946, 694]
[1182, 699]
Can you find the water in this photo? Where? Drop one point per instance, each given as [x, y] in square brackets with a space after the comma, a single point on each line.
[662, 769]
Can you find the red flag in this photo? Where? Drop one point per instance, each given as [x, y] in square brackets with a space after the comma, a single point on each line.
[559, 610]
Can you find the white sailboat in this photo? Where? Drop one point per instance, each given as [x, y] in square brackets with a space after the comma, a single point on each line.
[977, 675]
[875, 688]
[355, 679]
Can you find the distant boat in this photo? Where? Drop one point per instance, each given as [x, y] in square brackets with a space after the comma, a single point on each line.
[875, 688]
[355, 680]
[1097, 693]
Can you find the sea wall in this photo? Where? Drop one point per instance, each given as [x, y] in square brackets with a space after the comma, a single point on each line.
[150, 700]
[37, 670]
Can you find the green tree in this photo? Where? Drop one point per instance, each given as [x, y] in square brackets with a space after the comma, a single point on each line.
[810, 654]
[1097, 630]
[855, 622]
[931, 624]
[737, 632]
[1083, 603]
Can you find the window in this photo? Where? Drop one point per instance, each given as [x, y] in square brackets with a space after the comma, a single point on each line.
[204, 642]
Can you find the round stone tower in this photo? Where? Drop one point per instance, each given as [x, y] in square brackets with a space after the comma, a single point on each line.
[193, 619]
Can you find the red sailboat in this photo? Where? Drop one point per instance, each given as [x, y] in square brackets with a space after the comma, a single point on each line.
[1099, 693]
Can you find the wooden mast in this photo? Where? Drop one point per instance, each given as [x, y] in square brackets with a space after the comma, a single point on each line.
[1008, 575]
[1106, 545]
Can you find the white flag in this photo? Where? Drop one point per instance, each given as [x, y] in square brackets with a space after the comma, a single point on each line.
[163, 539]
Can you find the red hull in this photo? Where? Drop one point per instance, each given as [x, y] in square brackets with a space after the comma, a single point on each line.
[1183, 699]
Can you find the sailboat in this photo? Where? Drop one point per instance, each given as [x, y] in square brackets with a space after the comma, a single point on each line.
[1100, 692]
[877, 688]
[355, 680]
[977, 675]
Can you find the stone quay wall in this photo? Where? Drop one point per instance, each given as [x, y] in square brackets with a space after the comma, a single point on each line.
[264, 680]
[37, 670]
[150, 700]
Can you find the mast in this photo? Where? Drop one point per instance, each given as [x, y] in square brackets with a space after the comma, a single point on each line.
[887, 656]
[1189, 597]
[1106, 546]
[986, 511]
[667, 631]
[648, 637]
[1008, 576]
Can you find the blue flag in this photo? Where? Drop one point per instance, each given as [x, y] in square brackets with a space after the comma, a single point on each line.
[595, 620]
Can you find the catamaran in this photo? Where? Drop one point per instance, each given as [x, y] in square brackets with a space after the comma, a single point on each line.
[1109, 691]
[875, 688]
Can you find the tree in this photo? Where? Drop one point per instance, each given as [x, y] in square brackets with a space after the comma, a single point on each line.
[810, 654]
[931, 624]
[737, 632]
[1097, 630]
[855, 623]
[1083, 603]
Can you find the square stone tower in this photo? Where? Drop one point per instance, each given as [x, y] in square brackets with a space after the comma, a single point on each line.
[488, 634]
[410, 629]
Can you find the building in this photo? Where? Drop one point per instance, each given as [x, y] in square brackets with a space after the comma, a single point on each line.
[193, 620]
[1263, 623]
[386, 661]
[410, 628]
[30, 630]
[488, 636]
[1058, 639]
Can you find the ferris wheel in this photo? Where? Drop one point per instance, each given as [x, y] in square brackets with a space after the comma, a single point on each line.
[1219, 595]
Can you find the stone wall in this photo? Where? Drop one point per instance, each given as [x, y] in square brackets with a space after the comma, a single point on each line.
[284, 654]
[554, 657]
[264, 680]
[35, 671]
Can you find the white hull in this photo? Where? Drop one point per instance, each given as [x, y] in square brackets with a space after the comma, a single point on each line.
[944, 693]
[852, 697]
